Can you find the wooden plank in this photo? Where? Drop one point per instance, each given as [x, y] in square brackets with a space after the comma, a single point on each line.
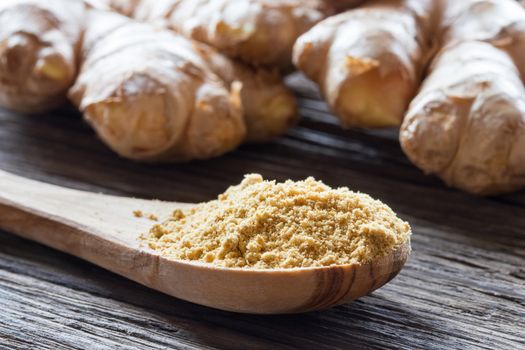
[463, 287]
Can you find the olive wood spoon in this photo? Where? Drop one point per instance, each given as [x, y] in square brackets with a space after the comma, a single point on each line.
[103, 230]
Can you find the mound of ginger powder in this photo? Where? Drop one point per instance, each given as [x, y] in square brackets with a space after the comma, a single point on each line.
[264, 225]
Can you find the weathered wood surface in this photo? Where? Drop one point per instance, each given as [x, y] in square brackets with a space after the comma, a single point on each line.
[463, 287]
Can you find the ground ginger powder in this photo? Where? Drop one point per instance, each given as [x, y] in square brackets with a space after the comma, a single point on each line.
[263, 224]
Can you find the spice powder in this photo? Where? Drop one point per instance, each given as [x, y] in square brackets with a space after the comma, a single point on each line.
[263, 225]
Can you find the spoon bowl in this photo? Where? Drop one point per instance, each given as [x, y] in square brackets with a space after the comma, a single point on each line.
[103, 230]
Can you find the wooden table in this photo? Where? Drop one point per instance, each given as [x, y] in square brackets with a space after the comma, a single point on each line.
[463, 287]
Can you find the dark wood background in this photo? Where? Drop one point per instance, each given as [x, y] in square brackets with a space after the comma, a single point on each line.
[463, 287]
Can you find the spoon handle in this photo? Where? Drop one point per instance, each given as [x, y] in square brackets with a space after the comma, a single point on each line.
[92, 226]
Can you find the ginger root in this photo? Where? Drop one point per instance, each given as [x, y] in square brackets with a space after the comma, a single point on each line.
[38, 52]
[368, 61]
[500, 23]
[467, 124]
[269, 107]
[257, 32]
[151, 95]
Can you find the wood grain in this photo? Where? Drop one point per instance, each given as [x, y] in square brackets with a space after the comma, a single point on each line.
[463, 286]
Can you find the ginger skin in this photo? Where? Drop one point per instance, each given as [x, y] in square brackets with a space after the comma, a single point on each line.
[467, 124]
[368, 61]
[269, 107]
[151, 95]
[39, 43]
[257, 32]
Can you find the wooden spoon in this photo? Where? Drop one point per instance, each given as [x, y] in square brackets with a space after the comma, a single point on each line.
[103, 230]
